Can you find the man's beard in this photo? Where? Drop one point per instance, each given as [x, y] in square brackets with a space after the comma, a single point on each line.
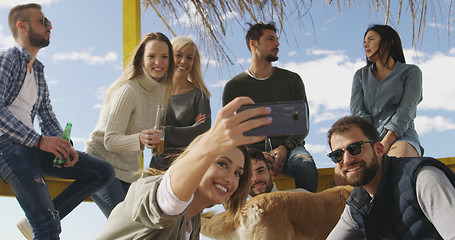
[272, 58]
[268, 188]
[37, 40]
[363, 178]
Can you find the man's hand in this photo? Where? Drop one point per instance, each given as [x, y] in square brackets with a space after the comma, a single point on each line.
[61, 148]
[280, 153]
[73, 158]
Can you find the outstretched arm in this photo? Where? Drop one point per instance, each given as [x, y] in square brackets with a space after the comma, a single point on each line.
[225, 134]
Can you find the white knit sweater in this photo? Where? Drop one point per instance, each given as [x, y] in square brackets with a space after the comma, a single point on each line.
[130, 109]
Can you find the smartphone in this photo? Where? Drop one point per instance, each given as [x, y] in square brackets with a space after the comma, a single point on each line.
[288, 118]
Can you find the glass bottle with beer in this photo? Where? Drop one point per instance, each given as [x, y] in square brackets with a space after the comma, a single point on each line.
[159, 125]
[60, 162]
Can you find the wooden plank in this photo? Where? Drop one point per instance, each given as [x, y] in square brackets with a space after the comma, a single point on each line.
[325, 179]
[325, 176]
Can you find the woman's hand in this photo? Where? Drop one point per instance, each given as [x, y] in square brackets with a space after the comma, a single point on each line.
[388, 140]
[229, 126]
[200, 118]
[149, 137]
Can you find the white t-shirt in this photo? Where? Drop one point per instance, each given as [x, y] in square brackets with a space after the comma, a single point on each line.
[22, 106]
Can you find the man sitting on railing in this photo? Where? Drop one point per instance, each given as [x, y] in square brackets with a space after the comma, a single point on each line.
[25, 155]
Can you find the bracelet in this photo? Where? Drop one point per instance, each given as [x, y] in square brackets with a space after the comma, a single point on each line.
[39, 141]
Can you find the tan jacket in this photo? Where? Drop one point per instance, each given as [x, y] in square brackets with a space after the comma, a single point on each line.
[139, 217]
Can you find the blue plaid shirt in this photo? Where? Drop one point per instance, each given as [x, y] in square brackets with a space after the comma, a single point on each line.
[13, 68]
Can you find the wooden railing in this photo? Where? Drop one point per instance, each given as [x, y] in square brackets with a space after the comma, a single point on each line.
[325, 180]
[325, 177]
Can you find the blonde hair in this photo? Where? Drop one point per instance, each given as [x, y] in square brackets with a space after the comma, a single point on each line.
[181, 43]
[236, 201]
[134, 68]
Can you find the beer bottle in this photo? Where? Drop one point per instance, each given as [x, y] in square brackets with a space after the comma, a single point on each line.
[159, 125]
[59, 162]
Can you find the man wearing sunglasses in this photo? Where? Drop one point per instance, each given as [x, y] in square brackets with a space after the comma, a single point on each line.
[25, 154]
[393, 198]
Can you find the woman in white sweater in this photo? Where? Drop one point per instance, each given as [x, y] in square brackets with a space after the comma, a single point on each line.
[127, 117]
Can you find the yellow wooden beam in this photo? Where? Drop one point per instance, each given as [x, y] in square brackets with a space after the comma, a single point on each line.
[325, 177]
[131, 27]
[325, 180]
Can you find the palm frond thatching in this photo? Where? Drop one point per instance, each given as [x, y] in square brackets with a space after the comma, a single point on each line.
[210, 19]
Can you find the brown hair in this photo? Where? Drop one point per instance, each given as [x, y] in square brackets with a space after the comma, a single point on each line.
[346, 123]
[18, 13]
[134, 66]
[255, 31]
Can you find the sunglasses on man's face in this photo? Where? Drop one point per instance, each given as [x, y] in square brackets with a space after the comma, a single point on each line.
[43, 21]
[354, 149]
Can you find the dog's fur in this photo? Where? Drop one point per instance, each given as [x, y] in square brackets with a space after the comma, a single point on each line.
[281, 215]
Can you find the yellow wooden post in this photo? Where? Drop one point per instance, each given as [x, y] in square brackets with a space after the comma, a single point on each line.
[131, 27]
[131, 36]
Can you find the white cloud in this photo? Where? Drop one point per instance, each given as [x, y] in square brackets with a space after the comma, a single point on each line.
[292, 53]
[425, 124]
[317, 148]
[12, 3]
[86, 57]
[328, 80]
[6, 41]
[437, 73]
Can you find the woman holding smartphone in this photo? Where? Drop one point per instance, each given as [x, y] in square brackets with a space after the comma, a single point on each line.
[387, 90]
[188, 110]
[127, 116]
[212, 170]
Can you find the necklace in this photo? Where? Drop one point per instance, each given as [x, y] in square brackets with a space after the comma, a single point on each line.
[250, 70]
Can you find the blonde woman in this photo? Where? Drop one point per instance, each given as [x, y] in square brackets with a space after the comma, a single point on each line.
[127, 117]
[212, 170]
[188, 109]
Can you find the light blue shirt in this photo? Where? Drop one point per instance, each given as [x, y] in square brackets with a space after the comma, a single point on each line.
[391, 103]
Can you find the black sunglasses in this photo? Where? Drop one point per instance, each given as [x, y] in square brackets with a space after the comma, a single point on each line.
[43, 21]
[354, 149]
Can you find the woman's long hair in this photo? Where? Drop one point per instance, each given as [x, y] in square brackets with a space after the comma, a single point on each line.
[389, 46]
[181, 43]
[134, 68]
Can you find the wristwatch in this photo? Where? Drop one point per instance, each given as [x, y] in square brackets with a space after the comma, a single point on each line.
[288, 145]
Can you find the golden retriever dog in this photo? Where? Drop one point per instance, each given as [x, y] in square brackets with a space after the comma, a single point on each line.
[281, 215]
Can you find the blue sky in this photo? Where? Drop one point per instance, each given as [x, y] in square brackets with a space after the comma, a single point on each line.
[85, 57]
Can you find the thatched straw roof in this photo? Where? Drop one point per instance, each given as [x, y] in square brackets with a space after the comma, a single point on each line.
[210, 19]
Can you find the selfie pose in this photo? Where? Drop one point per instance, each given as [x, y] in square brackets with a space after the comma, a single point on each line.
[386, 92]
[212, 170]
[127, 117]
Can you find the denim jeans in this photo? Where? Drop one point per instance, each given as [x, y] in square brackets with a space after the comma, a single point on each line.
[300, 166]
[109, 197]
[23, 169]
